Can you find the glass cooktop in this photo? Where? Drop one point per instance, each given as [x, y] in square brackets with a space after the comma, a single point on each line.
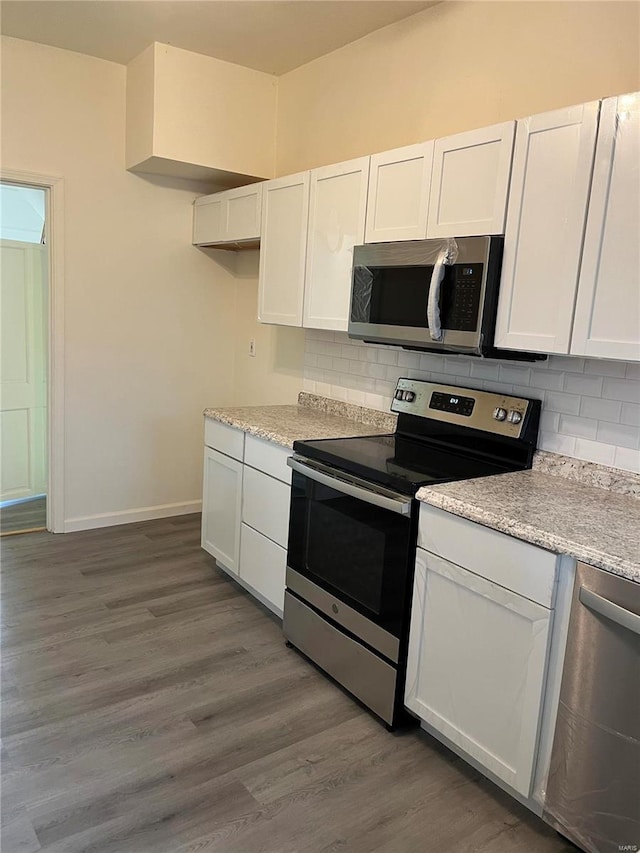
[397, 462]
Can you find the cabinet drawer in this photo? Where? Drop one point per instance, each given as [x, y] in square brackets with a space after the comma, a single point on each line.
[268, 457]
[265, 505]
[523, 568]
[263, 566]
[224, 438]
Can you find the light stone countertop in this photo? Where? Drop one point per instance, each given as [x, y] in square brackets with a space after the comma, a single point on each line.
[592, 524]
[313, 417]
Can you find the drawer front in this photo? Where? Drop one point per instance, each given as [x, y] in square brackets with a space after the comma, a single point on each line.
[268, 457]
[518, 566]
[263, 566]
[223, 438]
[265, 505]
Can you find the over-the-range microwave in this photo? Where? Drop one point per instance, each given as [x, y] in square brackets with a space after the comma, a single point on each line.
[435, 295]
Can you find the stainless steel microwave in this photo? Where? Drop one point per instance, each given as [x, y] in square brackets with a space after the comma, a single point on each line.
[438, 295]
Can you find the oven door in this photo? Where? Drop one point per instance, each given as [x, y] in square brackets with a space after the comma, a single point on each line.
[350, 552]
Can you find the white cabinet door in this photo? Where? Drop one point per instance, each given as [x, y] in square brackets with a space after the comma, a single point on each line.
[263, 566]
[607, 320]
[283, 250]
[232, 216]
[208, 222]
[243, 213]
[221, 508]
[398, 198]
[470, 182]
[337, 209]
[476, 667]
[545, 229]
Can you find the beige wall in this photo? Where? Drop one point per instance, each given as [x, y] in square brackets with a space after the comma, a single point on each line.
[454, 67]
[149, 340]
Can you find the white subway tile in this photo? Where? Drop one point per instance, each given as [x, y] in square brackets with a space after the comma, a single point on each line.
[387, 355]
[557, 443]
[600, 367]
[431, 361]
[323, 389]
[579, 427]
[457, 366]
[549, 380]
[377, 371]
[358, 368]
[339, 393]
[367, 384]
[594, 451]
[394, 373]
[485, 369]
[325, 362]
[601, 410]
[355, 397]
[627, 459]
[341, 364]
[386, 389]
[309, 385]
[549, 421]
[515, 375]
[568, 404]
[409, 359]
[528, 391]
[566, 362]
[580, 383]
[333, 349]
[374, 401]
[310, 359]
[626, 390]
[632, 370]
[630, 414]
[619, 434]
[316, 375]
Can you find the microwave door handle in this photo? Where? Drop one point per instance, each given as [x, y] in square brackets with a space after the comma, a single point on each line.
[402, 507]
[433, 304]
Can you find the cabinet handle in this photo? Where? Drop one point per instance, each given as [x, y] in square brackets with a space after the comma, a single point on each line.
[612, 612]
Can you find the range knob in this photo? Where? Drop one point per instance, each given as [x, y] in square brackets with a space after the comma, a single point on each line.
[409, 396]
[499, 414]
[514, 417]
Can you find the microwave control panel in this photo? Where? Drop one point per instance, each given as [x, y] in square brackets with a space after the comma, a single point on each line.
[462, 299]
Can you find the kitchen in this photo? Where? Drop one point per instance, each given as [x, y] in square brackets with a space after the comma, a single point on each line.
[121, 424]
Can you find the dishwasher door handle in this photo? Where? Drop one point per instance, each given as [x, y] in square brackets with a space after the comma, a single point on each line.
[612, 612]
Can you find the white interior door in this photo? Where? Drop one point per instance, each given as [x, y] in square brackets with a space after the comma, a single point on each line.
[23, 390]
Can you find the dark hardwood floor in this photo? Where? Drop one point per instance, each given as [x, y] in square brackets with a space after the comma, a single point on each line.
[26, 515]
[150, 706]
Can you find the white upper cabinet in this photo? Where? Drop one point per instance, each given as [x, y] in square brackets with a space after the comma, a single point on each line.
[337, 207]
[283, 249]
[470, 182]
[232, 216]
[550, 184]
[607, 319]
[398, 201]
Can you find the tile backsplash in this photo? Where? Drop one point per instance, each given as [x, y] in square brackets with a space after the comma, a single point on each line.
[590, 408]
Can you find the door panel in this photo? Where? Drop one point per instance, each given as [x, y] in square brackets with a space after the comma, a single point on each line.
[221, 508]
[607, 321]
[23, 389]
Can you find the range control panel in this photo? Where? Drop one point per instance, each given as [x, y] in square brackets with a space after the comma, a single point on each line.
[483, 410]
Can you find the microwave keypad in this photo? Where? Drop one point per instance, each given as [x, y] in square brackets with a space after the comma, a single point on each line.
[462, 311]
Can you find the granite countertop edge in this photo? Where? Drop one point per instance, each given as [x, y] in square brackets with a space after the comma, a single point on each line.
[556, 542]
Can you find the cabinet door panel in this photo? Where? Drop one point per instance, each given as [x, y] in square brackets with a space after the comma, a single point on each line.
[283, 250]
[398, 197]
[470, 182]
[336, 224]
[265, 505]
[221, 508]
[476, 667]
[545, 228]
[607, 321]
[208, 223]
[243, 213]
[263, 567]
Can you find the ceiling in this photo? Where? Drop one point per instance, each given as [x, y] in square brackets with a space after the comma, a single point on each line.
[270, 35]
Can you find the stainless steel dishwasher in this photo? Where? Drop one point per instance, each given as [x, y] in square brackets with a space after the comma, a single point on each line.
[593, 790]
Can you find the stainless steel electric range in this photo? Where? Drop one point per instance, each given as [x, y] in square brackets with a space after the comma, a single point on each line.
[354, 520]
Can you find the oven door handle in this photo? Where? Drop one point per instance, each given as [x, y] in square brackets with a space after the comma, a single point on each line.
[613, 612]
[348, 487]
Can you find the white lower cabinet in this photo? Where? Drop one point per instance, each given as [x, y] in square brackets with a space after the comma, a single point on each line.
[221, 508]
[263, 565]
[476, 667]
[245, 509]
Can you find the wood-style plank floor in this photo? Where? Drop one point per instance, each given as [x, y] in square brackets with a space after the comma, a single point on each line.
[26, 515]
[150, 706]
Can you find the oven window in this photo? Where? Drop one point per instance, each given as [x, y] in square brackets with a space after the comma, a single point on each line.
[354, 550]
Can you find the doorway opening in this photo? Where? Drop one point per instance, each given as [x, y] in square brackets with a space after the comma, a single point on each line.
[24, 333]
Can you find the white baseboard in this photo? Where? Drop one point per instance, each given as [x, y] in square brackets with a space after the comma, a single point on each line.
[128, 516]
